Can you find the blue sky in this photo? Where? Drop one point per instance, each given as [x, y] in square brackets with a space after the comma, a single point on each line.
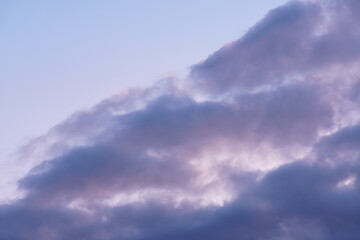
[242, 120]
[58, 57]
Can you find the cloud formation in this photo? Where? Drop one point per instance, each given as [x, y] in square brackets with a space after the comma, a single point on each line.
[261, 143]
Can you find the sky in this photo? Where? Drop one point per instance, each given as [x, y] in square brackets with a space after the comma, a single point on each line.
[60, 57]
[165, 120]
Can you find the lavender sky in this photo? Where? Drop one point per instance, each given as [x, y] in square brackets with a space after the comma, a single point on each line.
[60, 57]
[259, 140]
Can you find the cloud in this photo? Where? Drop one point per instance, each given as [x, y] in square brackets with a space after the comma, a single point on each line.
[299, 38]
[260, 143]
[154, 147]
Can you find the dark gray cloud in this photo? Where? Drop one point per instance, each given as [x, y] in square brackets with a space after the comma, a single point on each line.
[269, 152]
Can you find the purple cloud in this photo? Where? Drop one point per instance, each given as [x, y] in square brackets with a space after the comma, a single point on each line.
[269, 152]
[297, 38]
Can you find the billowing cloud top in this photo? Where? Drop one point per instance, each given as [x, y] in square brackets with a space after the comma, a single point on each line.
[261, 143]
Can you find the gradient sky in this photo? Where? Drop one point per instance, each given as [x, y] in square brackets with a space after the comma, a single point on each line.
[60, 57]
[242, 122]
